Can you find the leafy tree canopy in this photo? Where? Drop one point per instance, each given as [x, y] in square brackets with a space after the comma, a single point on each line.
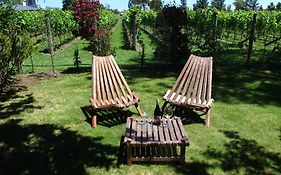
[200, 4]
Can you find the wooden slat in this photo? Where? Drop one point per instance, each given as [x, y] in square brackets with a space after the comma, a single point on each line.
[110, 78]
[189, 64]
[139, 130]
[155, 133]
[106, 79]
[116, 88]
[128, 128]
[134, 130]
[149, 130]
[166, 131]
[167, 94]
[199, 99]
[187, 81]
[182, 130]
[177, 130]
[171, 131]
[115, 71]
[102, 79]
[194, 76]
[196, 84]
[210, 79]
[121, 76]
[144, 130]
[161, 134]
[94, 81]
[98, 79]
[205, 84]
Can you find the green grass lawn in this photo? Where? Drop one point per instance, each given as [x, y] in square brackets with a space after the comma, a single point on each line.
[44, 130]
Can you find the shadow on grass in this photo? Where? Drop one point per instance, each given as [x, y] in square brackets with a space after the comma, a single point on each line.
[107, 118]
[46, 148]
[49, 149]
[74, 70]
[250, 86]
[193, 168]
[189, 116]
[245, 156]
[17, 103]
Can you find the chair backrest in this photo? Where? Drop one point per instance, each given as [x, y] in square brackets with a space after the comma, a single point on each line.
[195, 80]
[108, 81]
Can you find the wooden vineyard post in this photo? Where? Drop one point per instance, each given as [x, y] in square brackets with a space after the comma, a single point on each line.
[50, 40]
[134, 31]
[215, 43]
[251, 39]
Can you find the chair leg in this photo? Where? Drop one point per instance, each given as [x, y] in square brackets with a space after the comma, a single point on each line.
[94, 121]
[139, 109]
[208, 118]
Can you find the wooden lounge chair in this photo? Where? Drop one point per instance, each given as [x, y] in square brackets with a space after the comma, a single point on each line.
[193, 87]
[109, 89]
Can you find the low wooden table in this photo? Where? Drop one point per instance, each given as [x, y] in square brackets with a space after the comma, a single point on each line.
[148, 142]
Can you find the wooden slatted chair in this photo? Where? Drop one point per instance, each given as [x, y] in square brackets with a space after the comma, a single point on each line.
[193, 87]
[109, 88]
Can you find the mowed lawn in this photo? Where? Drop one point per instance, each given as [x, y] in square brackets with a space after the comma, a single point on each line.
[45, 129]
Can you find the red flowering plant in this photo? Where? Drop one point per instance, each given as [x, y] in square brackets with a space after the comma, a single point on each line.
[86, 13]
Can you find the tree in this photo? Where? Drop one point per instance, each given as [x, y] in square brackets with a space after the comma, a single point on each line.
[260, 8]
[68, 4]
[142, 3]
[155, 4]
[219, 4]
[271, 7]
[252, 4]
[278, 6]
[240, 5]
[200, 4]
[86, 14]
[183, 3]
[228, 8]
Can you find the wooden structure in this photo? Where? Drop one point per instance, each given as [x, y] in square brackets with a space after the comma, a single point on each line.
[145, 141]
[193, 87]
[109, 89]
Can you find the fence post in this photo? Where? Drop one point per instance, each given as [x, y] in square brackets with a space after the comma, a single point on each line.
[50, 40]
[251, 39]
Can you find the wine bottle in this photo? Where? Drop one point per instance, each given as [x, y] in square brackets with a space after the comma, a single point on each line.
[157, 113]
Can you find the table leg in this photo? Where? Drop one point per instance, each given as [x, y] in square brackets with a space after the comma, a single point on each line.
[129, 153]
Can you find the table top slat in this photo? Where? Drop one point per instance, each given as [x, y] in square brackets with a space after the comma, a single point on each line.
[166, 131]
[155, 133]
[139, 129]
[128, 127]
[172, 131]
[149, 130]
[144, 130]
[184, 135]
[177, 130]
[161, 133]
[134, 130]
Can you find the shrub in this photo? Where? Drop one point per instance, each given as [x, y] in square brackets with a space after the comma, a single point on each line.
[15, 45]
[100, 42]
